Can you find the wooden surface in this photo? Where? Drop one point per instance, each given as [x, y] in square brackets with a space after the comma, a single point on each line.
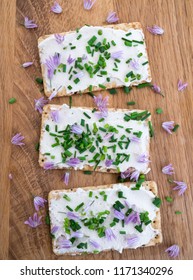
[170, 57]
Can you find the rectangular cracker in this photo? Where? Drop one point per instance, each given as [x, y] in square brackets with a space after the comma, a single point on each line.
[142, 199]
[59, 83]
[129, 153]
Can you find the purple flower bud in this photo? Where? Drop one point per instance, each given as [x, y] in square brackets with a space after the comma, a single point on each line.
[54, 229]
[135, 175]
[133, 218]
[70, 60]
[40, 103]
[134, 64]
[94, 244]
[168, 126]
[17, 139]
[108, 162]
[173, 251]
[76, 129]
[155, 30]
[66, 178]
[134, 138]
[73, 162]
[101, 104]
[181, 85]
[112, 17]
[126, 174]
[59, 38]
[131, 241]
[168, 169]
[34, 221]
[29, 23]
[108, 136]
[27, 64]
[55, 115]
[88, 4]
[143, 158]
[109, 234]
[63, 243]
[48, 165]
[180, 187]
[117, 54]
[39, 202]
[56, 8]
[119, 215]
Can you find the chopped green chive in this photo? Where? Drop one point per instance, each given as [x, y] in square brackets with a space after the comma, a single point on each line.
[145, 63]
[77, 80]
[139, 55]
[100, 32]
[151, 131]
[128, 34]
[39, 80]
[139, 42]
[144, 85]
[112, 91]
[122, 232]
[157, 202]
[178, 212]
[70, 102]
[66, 197]
[120, 195]
[131, 103]
[79, 36]
[113, 43]
[159, 111]
[175, 128]
[102, 86]
[92, 40]
[69, 208]
[37, 146]
[12, 100]
[88, 49]
[87, 172]
[69, 87]
[86, 115]
[79, 206]
[82, 245]
[127, 89]
[169, 199]
[90, 194]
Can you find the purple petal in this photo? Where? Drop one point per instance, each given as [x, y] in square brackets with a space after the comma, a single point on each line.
[133, 218]
[72, 215]
[119, 215]
[27, 64]
[180, 187]
[40, 103]
[168, 126]
[173, 251]
[134, 64]
[48, 165]
[101, 104]
[56, 8]
[17, 139]
[39, 202]
[54, 229]
[63, 243]
[70, 60]
[126, 174]
[108, 162]
[76, 129]
[59, 38]
[54, 93]
[66, 178]
[10, 176]
[135, 175]
[79, 75]
[77, 234]
[88, 4]
[55, 116]
[134, 138]
[87, 207]
[182, 86]
[29, 23]
[112, 17]
[131, 241]
[73, 162]
[143, 158]
[109, 234]
[156, 88]
[168, 169]
[94, 244]
[52, 63]
[108, 136]
[155, 30]
[117, 55]
[34, 221]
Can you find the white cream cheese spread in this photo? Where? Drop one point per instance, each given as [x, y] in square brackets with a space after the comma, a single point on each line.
[114, 143]
[102, 219]
[93, 56]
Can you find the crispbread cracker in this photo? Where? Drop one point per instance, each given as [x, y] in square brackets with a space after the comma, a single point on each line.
[46, 111]
[149, 185]
[108, 85]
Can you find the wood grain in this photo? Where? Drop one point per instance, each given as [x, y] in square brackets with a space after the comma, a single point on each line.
[170, 57]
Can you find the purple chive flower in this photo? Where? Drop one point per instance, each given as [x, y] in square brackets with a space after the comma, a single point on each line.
[84, 57]
[66, 178]
[157, 89]
[59, 38]
[88, 206]
[119, 215]
[182, 86]
[79, 75]
[70, 60]
[168, 169]
[55, 115]
[134, 138]
[168, 126]
[108, 162]
[143, 158]
[48, 165]
[127, 204]
[54, 93]
[56, 8]
[39, 202]
[27, 64]
[34, 221]
[173, 251]
[72, 215]
[180, 187]
[51, 64]
[131, 241]
[135, 175]
[10, 176]
[126, 174]
[112, 17]
[134, 64]
[109, 234]
[101, 104]
[94, 244]
[155, 30]
[133, 218]
[76, 129]
[39, 104]
[77, 234]
[64, 243]
[17, 139]
[88, 4]
[73, 162]
[54, 229]
[29, 23]
[117, 55]
[108, 136]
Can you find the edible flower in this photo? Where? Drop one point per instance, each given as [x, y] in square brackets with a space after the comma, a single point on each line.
[39, 202]
[66, 178]
[108, 162]
[119, 215]
[134, 64]
[54, 229]
[70, 60]
[117, 54]
[181, 85]
[79, 75]
[133, 218]
[34, 221]
[168, 126]
[77, 234]
[59, 38]
[73, 162]
[168, 169]
[180, 187]
[155, 30]
[157, 89]
[56, 8]
[51, 64]
[126, 174]
[39, 104]
[76, 129]
[72, 215]
[88, 4]
[10, 176]
[109, 234]
[54, 93]
[29, 23]
[143, 158]
[112, 17]
[135, 175]
[27, 64]
[94, 244]
[17, 139]
[48, 165]
[63, 243]
[55, 115]
[101, 104]
[131, 241]
[173, 251]
[134, 138]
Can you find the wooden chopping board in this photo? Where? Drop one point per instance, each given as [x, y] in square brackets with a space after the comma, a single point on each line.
[170, 58]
